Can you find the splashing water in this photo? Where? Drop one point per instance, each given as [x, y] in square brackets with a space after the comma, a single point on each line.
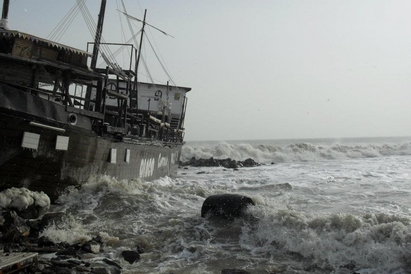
[326, 208]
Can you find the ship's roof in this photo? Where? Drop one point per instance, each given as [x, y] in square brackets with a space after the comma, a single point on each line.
[187, 89]
[35, 39]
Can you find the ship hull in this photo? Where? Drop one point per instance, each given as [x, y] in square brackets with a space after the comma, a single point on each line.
[51, 154]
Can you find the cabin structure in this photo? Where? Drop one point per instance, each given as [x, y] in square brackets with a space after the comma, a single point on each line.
[163, 105]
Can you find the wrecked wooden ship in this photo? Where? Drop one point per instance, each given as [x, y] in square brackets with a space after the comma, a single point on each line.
[63, 119]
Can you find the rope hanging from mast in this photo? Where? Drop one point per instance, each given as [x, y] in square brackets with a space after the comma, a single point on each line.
[58, 32]
[161, 63]
[104, 51]
[139, 44]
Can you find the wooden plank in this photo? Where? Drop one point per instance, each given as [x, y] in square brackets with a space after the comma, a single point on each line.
[12, 262]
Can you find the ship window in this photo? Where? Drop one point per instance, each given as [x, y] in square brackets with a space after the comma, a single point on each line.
[30, 140]
[127, 158]
[62, 142]
[113, 155]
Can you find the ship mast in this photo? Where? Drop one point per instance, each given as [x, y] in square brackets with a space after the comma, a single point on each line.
[99, 31]
[96, 48]
[4, 15]
[138, 58]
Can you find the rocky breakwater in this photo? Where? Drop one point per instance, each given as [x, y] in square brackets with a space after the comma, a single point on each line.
[212, 162]
[24, 217]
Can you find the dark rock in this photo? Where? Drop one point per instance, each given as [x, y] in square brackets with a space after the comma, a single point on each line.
[75, 262]
[31, 212]
[109, 270]
[44, 242]
[211, 162]
[226, 205]
[50, 218]
[91, 247]
[71, 251]
[140, 249]
[83, 269]
[234, 271]
[130, 256]
[62, 270]
[61, 263]
[14, 232]
[228, 163]
[100, 271]
[249, 163]
[112, 263]
[43, 249]
[98, 239]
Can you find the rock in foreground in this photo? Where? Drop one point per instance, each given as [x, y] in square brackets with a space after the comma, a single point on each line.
[226, 205]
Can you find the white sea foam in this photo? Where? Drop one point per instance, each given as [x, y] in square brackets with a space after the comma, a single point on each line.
[339, 241]
[21, 198]
[69, 231]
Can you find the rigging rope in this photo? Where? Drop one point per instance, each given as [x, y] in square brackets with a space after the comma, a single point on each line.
[104, 51]
[122, 31]
[160, 60]
[58, 32]
[120, 49]
[155, 53]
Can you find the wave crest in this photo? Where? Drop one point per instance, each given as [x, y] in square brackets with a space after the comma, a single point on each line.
[296, 152]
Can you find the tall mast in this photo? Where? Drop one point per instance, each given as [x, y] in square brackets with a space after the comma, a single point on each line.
[99, 31]
[5, 15]
[96, 49]
[141, 41]
[138, 57]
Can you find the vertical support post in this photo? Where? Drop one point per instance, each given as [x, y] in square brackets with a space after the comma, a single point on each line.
[99, 97]
[99, 31]
[138, 59]
[5, 15]
[96, 48]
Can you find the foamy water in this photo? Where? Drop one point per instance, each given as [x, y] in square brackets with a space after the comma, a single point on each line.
[324, 207]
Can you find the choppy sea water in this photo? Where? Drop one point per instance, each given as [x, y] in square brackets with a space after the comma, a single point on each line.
[322, 206]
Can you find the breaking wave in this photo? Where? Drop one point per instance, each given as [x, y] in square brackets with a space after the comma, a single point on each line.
[341, 243]
[297, 152]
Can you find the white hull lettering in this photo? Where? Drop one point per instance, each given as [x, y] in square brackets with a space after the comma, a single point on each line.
[162, 161]
[147, 167]
[174, 157]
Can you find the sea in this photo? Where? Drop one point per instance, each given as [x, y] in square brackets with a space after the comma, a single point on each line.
[321, 206]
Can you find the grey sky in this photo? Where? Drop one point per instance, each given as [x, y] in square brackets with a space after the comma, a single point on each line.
[269, 69]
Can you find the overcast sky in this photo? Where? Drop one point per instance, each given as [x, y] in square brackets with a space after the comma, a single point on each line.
[268, 69]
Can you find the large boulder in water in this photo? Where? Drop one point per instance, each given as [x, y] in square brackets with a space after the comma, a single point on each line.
[226, 205]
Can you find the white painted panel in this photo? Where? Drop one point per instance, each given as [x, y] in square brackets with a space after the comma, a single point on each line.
[62, 142]
[30, 140]
[113, 155]
[127, 156]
